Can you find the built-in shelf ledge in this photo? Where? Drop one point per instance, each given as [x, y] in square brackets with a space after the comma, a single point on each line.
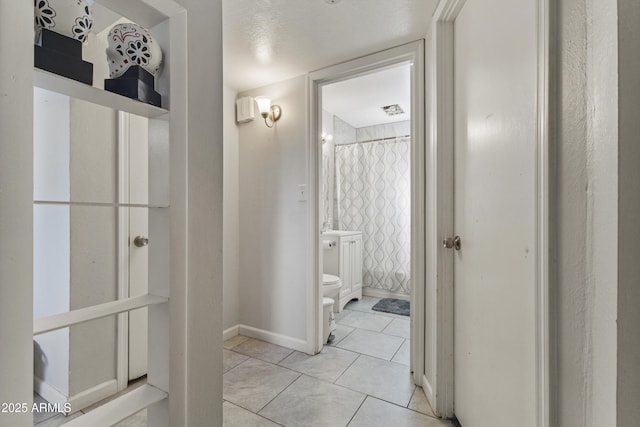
[121, 408]
[53, 82]
[62, 320]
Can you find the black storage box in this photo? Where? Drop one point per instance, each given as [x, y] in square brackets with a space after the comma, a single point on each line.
[137, 72]
[135, 83]
[63, 44]
[62, 55]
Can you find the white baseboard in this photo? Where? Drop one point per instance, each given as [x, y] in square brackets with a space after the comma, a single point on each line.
[273, 338]
[378, 293]
[95, 394]
[48, 392]
[230, 333]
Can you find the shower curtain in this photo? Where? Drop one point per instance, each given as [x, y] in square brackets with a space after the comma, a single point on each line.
[372, 195]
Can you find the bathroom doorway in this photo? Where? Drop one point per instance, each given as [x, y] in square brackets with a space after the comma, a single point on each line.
[367, 193]
[365, 205]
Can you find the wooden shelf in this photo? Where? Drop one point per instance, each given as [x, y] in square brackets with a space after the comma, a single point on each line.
[65, 86]
[63, 320]
[121, 408]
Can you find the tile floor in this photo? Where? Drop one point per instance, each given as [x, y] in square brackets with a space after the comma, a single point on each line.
[361, 379]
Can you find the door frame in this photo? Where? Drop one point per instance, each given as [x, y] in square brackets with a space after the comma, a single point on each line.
[440, 390]
[412, 53]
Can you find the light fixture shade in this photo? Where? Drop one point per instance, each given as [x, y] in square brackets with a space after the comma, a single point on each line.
[264, 105]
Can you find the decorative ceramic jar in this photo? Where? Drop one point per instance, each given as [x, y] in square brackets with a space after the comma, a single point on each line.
[71, 18]
[129, 45]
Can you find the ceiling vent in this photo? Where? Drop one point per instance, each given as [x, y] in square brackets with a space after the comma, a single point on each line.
[392, 110]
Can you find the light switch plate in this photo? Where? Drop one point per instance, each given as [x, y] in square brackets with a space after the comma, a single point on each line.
[302, 192]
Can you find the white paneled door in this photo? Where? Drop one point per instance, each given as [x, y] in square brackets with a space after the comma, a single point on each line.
[495, 84]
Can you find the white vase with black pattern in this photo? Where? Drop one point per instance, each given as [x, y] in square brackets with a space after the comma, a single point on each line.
[129, 45]
[71, 18]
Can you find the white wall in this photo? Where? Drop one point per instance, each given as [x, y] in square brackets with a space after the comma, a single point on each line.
[93, 152]
[328, 171]
[94, 52]
[586, 256]
[327, 123]
[274, 238]
[94, 168]
[51, 149]
[92, 345]
[16, 208]
[628, 387]
[196, 316]
[603, 161]
[231, 214]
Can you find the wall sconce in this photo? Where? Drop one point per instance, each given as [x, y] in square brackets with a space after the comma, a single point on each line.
[270, 113]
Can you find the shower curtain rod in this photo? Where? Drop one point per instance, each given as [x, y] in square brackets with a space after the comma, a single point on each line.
[375, 140]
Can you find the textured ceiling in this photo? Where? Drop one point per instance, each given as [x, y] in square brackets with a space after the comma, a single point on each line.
[271, 40]
[358, 101]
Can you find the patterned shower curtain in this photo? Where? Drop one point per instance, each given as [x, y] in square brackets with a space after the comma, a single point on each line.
[372, 195]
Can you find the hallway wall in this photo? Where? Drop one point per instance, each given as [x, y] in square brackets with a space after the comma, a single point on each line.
[16, 207]
[587, 231]
[230, 215]
[196, 323]
[273, 226]
[628, 388]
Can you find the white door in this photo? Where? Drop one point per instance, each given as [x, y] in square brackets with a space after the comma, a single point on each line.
[495, 85]
[138, 253]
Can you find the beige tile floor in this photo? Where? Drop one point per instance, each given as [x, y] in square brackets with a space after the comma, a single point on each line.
[361, 379]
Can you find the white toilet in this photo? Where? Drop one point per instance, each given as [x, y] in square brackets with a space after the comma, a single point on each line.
[330, 285]
[330, 288]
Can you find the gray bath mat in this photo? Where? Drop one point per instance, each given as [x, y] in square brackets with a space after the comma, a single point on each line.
[392, 305]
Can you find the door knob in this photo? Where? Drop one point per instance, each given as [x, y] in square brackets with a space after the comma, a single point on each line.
[141, 241]
[454, 243]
